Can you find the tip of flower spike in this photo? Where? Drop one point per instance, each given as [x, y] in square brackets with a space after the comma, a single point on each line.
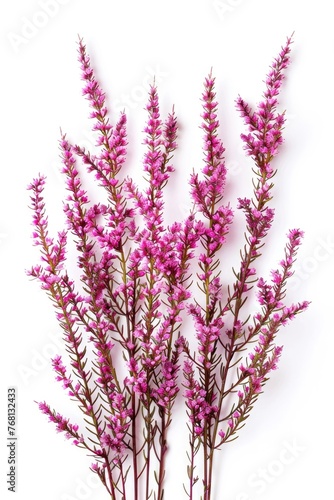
[289, 39]
[81, 44]
[43, 407]
[37, 183]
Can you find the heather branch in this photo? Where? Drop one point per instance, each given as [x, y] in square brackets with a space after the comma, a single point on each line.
[207, 195]
[258, 216]
[56, 286]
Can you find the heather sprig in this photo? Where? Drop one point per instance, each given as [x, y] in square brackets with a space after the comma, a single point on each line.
[128, 356]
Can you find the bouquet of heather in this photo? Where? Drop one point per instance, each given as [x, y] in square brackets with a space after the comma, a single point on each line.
[129, 357]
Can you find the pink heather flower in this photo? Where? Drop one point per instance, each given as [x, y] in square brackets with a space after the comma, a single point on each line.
[167, 388]
[265, 124]
[256, 384]
[258, 221]
[246, 370]
[94, 94]
[272, 361]
[38, 206]
[138, 378]
[160, 141]
[221, 434]
[208, 193]
[265, 294]
[216, 234]
[62, 424]
[53, 253]
[207, 334]
[290, 312]
[135, 288]
[170, 133]
[276, 277]
[60, 369]
[113, 157]
[212, 144]
[118, 425]
[108, 164]
[199, 410]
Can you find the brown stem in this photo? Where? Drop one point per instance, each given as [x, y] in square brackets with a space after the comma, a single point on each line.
[163, 450]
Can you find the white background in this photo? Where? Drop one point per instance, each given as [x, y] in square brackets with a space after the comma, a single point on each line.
[178, 41]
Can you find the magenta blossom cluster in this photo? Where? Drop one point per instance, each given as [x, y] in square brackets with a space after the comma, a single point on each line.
[128, 356]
